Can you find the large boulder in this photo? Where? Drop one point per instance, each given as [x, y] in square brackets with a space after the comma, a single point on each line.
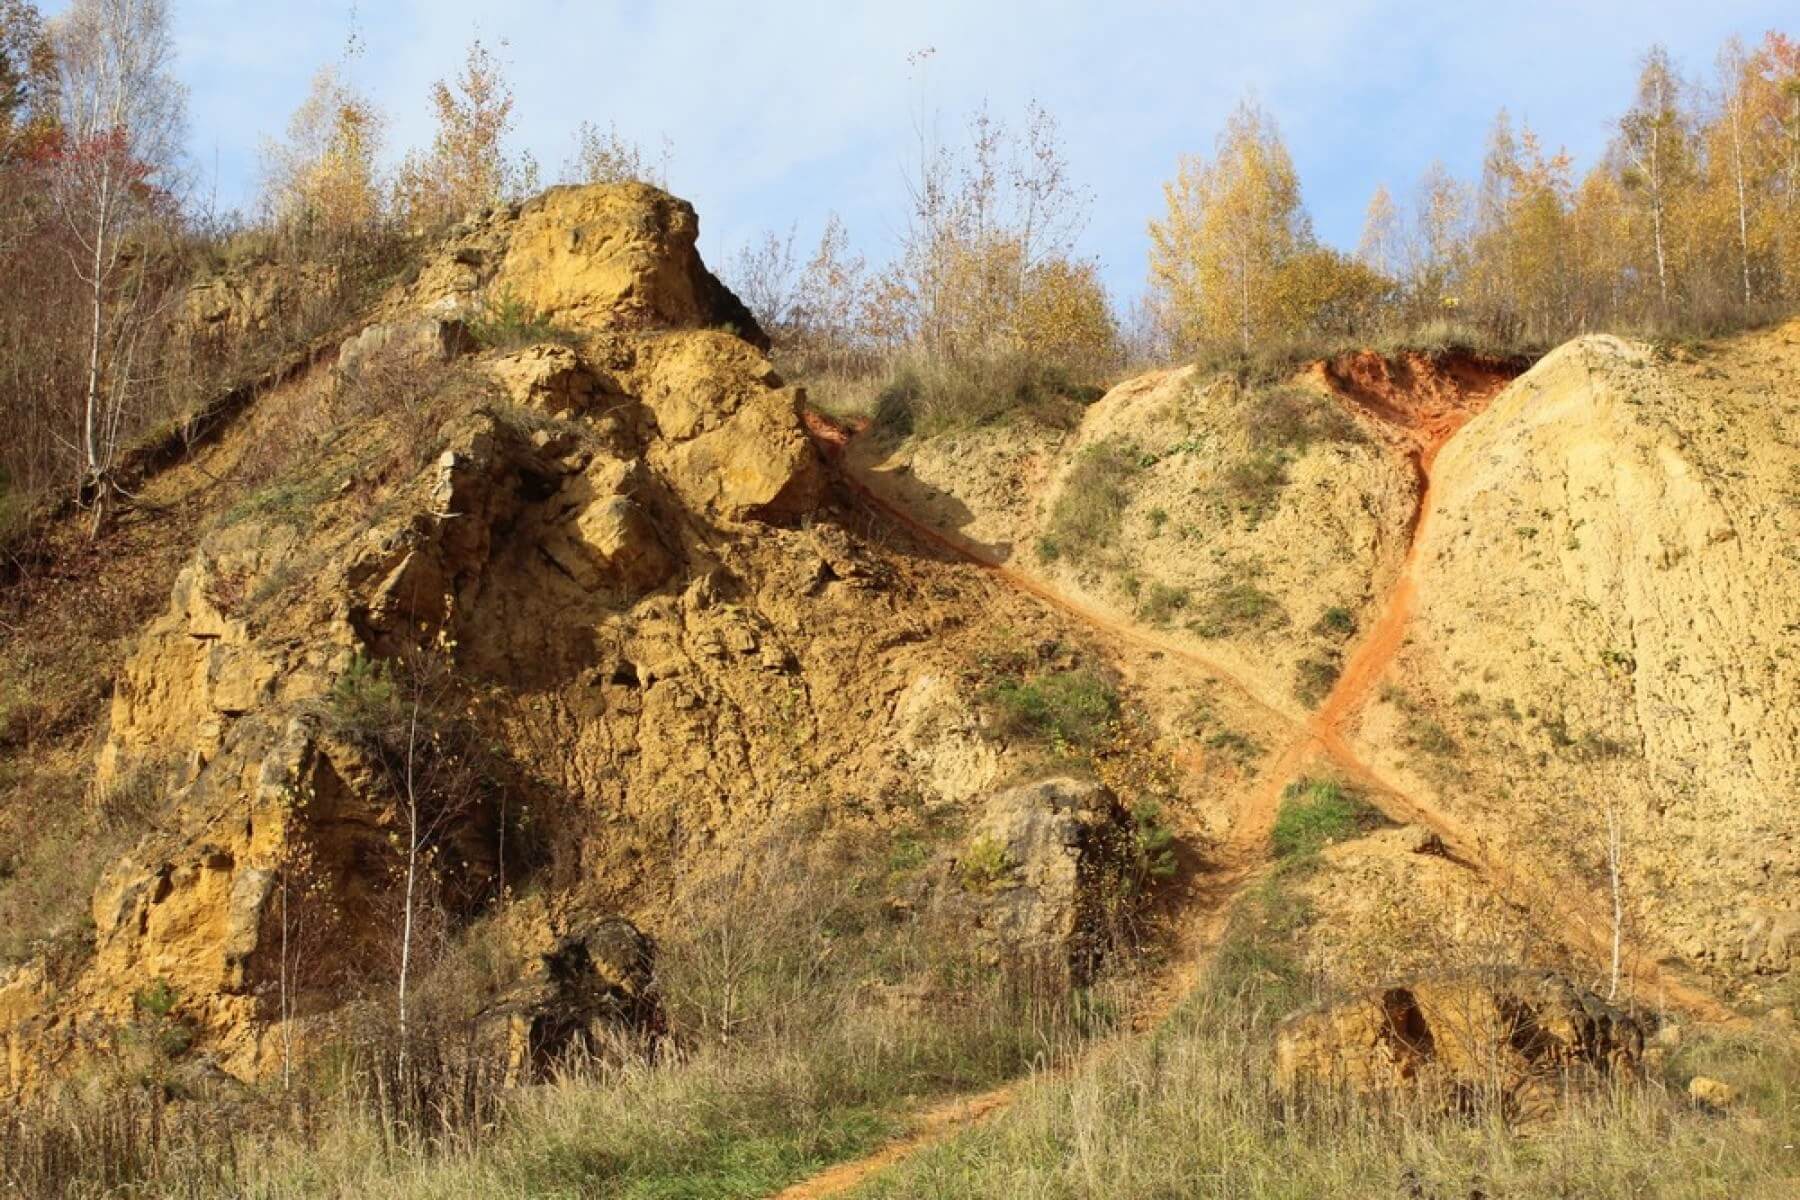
[1513, 1037]
[1035, 871]
[591, 988]
[730, 440]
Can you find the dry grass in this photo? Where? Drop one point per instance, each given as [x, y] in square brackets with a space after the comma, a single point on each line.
[1191, 1111]
[804, 1023]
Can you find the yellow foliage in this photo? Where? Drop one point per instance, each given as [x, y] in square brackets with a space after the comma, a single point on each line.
[1230, 225]
[467, 167]
[323, 179]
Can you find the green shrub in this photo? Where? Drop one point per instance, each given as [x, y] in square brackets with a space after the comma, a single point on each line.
[1279, 418]
[158, 1028]
[1313, 679]
[1316, 813]
[506, 322]
[1336, 622]
[1236, 605]
[1086, 515]
[1431, 738]
[1255, 483]
[157, 999]
[984, 865]
[1072, 707]
[1159, 602]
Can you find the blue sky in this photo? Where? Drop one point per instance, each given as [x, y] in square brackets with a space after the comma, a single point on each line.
[780, 111]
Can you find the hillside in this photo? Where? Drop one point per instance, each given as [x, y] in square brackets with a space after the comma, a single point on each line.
[1560, 641]
[577, 617]
[522, 704]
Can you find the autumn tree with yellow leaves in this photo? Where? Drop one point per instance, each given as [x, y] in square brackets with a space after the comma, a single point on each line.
[323, 179]
[1231, 223]
[986, 267]
[468, 166]
[1691, 221]
[987, 263]
[1233, 261]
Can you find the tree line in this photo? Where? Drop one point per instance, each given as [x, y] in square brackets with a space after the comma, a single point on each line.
[1689, 222]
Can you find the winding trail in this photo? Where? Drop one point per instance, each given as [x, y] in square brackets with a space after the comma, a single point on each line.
[1418, 422]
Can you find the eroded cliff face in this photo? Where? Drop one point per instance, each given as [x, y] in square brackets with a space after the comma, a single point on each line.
[661, 648]
[1607, 615]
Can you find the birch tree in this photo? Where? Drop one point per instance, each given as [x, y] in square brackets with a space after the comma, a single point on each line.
[468, 166]
[1380, 246]
[322, 179]
[406, 710]
[1734, 76]
[1653, 140]
[122, 116]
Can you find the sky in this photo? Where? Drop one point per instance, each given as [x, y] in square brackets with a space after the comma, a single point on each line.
[782, 112]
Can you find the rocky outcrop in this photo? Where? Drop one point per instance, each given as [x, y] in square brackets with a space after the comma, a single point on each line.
[618, 256]
[1239, 520]
[1516, 1039]
[252, 299]
[643, 657]
[404, 344]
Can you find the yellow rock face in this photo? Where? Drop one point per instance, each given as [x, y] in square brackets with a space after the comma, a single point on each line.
[1609, 618]
[622, 257]
[1516, 1035]
[613, 257]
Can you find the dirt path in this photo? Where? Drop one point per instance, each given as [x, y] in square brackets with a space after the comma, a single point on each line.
[1207, 912]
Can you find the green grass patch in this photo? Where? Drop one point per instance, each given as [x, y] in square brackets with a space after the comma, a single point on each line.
[1086, 516]
[1316, 813]
[1070, 707]
[1257, 965]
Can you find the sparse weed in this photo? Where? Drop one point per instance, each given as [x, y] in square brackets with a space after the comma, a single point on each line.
[929, 396]
[1086, 515]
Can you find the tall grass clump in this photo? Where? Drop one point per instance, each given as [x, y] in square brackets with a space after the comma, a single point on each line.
[927, 396]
